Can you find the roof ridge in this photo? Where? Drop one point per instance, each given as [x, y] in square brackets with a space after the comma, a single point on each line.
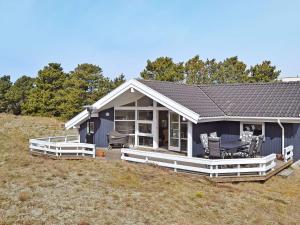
[222, 84]
[212, 101]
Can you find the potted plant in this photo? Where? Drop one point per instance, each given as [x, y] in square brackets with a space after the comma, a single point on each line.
[279, 156]
[100, 153]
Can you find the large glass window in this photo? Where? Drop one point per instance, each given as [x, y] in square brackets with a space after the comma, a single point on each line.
[135, 121]
[257, 129]
[145, 115]
[124, 115]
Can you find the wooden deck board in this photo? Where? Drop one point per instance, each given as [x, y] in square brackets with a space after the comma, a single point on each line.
[247, 178]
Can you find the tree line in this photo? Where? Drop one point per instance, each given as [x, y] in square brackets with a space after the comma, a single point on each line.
[198, 71]
[54, 92]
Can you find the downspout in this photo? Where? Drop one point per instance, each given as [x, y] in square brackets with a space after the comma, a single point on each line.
[282, 137]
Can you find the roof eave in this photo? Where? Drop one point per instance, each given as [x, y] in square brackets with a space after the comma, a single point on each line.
[249, 119]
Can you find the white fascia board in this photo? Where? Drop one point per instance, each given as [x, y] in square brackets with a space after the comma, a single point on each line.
[174, 106]
[211, 119]
[97, 105]
[74, 121]
[264, 119]
[247, 119]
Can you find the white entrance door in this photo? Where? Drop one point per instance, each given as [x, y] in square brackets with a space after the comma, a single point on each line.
[174, 131]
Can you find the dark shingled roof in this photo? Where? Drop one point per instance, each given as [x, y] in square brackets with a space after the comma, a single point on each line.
[257, 100]
[190, 96]
[245, 100]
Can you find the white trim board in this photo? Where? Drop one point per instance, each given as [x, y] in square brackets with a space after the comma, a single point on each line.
[247, 119]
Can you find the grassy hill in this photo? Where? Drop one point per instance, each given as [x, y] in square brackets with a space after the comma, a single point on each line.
[35, 190]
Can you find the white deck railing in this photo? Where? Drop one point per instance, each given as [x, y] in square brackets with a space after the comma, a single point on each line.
[288, 153]
[211, 167]
[62, 146]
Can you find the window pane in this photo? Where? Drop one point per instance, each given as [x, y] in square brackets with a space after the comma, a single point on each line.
[255, 128]
[174, 142]
[125, 115]
[125, 127]
[183, 145]
[159, 105]
[174, 117]
[146, 141]
[131, 140]
[145, 115]
[145, 128]
[129, 104]
[183, 130]
[90, 127]
[145, 101]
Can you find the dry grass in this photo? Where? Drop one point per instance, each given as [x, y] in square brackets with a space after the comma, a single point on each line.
[36, 190]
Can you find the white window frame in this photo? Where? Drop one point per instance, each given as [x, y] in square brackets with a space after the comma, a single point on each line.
[88, 126]
[263, 127]
[153, 122]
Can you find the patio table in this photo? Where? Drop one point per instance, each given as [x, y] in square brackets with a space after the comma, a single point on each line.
[233, 146]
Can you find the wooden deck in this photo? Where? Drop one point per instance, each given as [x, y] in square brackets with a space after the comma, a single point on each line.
[280, 165]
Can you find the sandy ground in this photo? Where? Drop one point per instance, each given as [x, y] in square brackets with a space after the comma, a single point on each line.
[35, 190]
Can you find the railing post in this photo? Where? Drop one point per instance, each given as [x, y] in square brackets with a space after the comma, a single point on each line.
[210, 173]
[175, 166]
[264, 169]
[94, 152]
[260, 166]
[238, 167]
[146, 159]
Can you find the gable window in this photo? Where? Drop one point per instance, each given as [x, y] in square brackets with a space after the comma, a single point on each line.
[257, 128]
[128, 104]
[145, 102]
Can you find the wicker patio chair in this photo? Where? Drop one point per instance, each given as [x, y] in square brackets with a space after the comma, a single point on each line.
[215, 151]
[204, 142]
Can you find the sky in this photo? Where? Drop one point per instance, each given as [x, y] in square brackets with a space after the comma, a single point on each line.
[120, 36]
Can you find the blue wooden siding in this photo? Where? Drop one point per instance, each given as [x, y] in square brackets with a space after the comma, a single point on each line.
[103, 125]
[296, 142]
[229, 131]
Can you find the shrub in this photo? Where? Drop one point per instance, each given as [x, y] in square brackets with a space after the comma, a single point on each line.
[199, 194]
[24, 196]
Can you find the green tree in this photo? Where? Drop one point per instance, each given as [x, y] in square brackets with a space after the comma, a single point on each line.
[118, 80]
[231, 70]
[45, 98]
[163, 68]
[18, 93]
[196, 71]
[263, 72]
[84, 86]
[5, 85]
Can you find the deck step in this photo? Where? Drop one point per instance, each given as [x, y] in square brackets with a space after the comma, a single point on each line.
[286, 172]
[296, 165]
